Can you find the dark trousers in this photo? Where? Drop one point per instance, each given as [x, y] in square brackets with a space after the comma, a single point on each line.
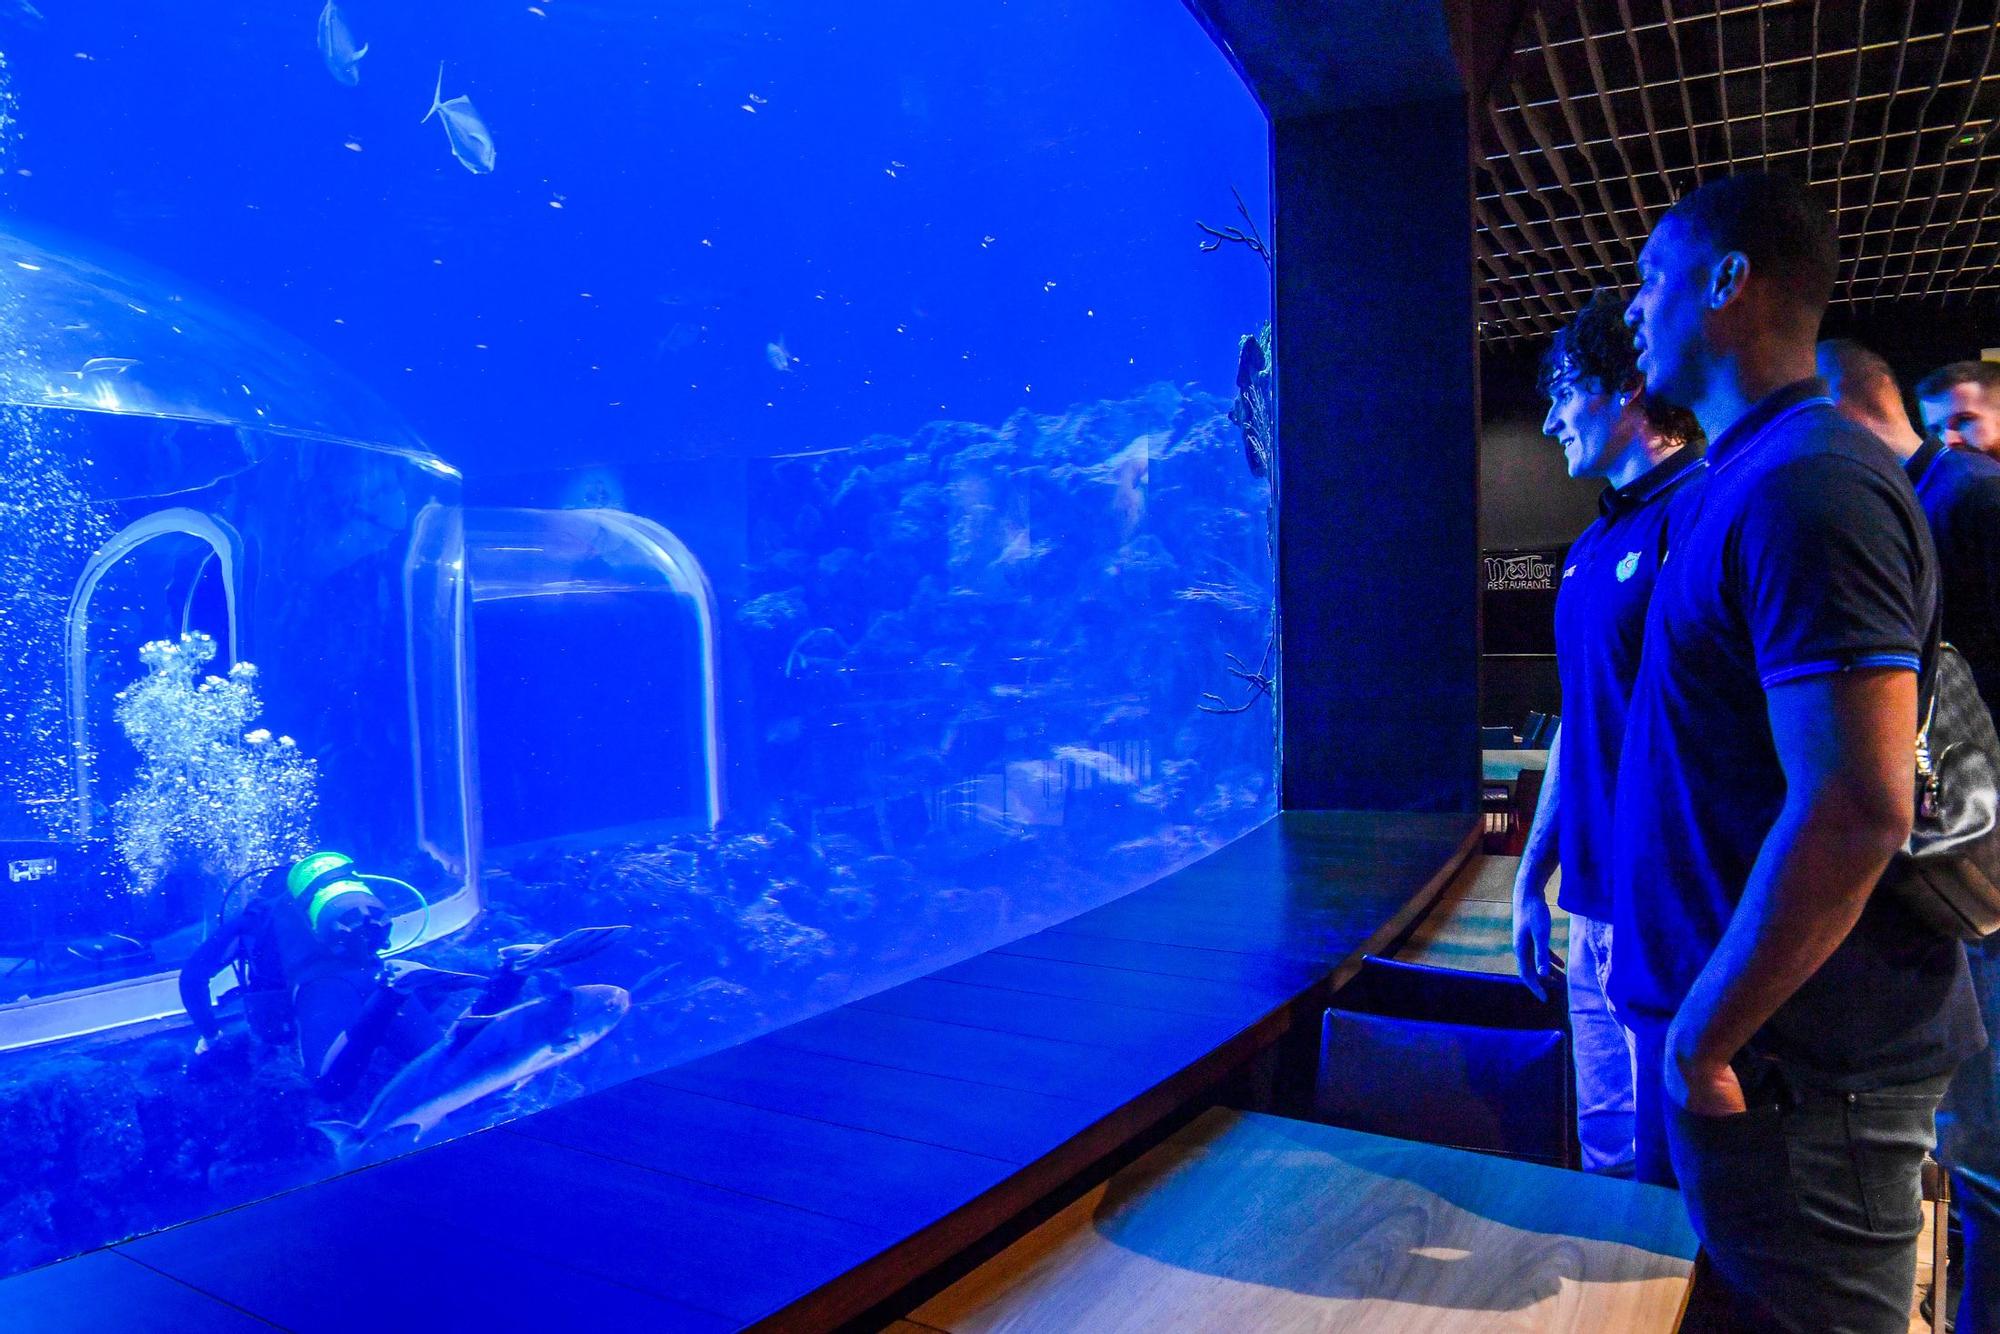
[1808, 1205]
[1969, 1131]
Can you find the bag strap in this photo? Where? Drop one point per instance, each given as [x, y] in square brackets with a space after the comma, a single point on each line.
[1927, 691]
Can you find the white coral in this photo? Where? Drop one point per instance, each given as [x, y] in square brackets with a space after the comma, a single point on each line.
[209, 793]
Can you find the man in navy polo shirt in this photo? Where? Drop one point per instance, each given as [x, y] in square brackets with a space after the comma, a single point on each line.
[1960, 493]
[1795, 1029]
[1608, 428]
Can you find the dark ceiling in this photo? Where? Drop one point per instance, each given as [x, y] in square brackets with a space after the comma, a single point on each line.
[1609, 110]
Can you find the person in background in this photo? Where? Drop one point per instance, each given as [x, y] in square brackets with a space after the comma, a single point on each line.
[1610, 429]
[1961, 405]
[1795, 1029]
[1960, 493]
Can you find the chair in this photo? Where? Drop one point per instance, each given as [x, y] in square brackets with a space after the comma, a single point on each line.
[1544, 735]
[1937, 1194]
[1497, 738]
[1496, 809]
[1526, 796]
[1532, 728]
[1441, 1056]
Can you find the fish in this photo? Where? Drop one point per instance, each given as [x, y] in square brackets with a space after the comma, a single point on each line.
[108, 365]
[780, 359]
[815, 650]
[337, 49]
[471, 141]
[482, 1055]
[23, 13]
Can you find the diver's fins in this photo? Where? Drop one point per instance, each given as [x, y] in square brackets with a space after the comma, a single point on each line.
[578, 944]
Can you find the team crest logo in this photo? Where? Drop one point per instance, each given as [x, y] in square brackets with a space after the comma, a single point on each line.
[1628, 566]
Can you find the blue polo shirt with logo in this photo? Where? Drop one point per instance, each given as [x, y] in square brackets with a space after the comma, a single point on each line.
[1808, 554]
[1600, 625]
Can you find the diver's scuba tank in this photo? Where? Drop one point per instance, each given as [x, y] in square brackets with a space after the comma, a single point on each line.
[341, 913]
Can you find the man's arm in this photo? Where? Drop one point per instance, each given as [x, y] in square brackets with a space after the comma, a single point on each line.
[210, 957]
[1845, 742]
[1539, 856]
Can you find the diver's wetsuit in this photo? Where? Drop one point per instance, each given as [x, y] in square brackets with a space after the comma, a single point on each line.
[340, 1005]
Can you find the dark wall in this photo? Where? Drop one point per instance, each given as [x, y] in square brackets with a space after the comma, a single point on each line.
[1916, 339]
[1527, 499]
[1526, 495]
[1378, 400]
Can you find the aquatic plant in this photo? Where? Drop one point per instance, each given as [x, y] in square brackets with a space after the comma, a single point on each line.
[212, 793]
[1251, 240]
[1255, 413]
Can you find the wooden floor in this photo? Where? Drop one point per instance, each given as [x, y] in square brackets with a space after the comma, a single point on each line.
[1248, 1222]
[799, 1178]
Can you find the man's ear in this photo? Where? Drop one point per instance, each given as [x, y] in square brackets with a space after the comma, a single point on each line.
[1726, 280]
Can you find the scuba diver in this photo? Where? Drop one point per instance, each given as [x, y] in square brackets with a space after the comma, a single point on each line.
[307, 944]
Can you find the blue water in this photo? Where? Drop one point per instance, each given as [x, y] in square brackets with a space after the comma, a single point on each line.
[788, 506]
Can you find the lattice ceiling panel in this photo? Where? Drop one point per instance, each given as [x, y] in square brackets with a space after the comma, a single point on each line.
[1609, 110]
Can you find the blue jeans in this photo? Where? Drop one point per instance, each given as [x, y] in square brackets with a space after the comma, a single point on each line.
[1969, 1139]
[1808, 1205]
[1603, 1053]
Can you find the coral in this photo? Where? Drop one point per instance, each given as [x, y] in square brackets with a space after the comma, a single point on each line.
[209, 793]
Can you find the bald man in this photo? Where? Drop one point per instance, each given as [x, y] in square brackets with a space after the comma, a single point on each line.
[1960, 494]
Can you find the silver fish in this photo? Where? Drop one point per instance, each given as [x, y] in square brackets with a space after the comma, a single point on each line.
[471, 141]
[337, 48]
[779, 357]
[480, 1056]
[108, 365]
[22, 13]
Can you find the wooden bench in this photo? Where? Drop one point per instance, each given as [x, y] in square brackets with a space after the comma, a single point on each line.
[1243, 1221]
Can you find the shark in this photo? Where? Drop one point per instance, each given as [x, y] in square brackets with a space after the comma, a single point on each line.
[481, 1055]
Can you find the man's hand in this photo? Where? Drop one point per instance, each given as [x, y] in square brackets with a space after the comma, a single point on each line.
[1704, 1086]
[1531, 938]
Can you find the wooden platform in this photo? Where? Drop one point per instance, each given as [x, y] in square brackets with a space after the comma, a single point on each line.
[799, 1179]
[1248, 1222]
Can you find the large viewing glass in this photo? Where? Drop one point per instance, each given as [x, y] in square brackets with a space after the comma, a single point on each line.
[538, 540]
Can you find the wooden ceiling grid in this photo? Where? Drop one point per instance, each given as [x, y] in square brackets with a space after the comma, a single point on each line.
[1609, 110]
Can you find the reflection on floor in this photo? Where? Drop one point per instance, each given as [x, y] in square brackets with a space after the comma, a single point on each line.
[1248, 1222]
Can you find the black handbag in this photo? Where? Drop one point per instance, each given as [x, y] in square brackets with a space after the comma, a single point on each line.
[1948, 873]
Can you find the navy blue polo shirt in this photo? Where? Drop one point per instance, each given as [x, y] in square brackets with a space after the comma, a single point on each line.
[1600, 624]
[1808, 554]
[1960, 493]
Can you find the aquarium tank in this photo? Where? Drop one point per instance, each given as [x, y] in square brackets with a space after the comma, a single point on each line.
[539, 540]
